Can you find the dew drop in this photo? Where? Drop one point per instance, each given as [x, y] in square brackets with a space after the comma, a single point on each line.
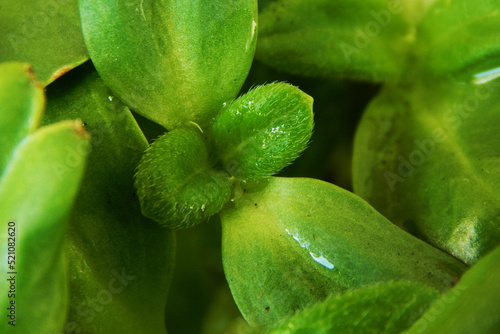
[486, 76]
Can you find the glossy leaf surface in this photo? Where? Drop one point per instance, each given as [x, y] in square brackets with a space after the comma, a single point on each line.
[173, 61]
[175, 183]
[322, 38]
[37, 200]
[472, 306]
[21, 107]
[288, 243]
[264, 130]
[382, 308]
[117, 259]
[46, 34]
[427, 157]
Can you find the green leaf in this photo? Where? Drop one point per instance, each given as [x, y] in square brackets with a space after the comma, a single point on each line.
[460, 36]
[264, 130]
[174, 61]
[382, 308]
[21, 107]
[427, 157]
[46, 34]
[472, 306]
[289, 243]
[322, 38]
[174, 181]
[35, 201]
[120, 263]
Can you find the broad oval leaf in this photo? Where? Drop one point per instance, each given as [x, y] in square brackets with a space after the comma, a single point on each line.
[117, 258]
[389, 307]
[47, 34]
[35, 202]
[427, 157]
[21, 107]
[172, 61]
[175, 183]
[289, 243]
[472, 306]
[264, 130]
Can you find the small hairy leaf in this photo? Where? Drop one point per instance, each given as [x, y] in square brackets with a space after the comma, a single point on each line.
[264, 130]
[382, 308]
[175, 184]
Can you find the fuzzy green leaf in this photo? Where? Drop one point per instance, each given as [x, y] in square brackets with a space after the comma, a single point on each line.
[427, 156]
[289, 243]
[264, 130]
[21, 106]
[324, 38]
[472, 306]
[37, 199]
[117, 259]
[382, 308]
[46, 34]
[175, 184]
[172, 61]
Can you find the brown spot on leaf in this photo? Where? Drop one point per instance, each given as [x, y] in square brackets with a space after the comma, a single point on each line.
[60, 72]
[79, 130]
